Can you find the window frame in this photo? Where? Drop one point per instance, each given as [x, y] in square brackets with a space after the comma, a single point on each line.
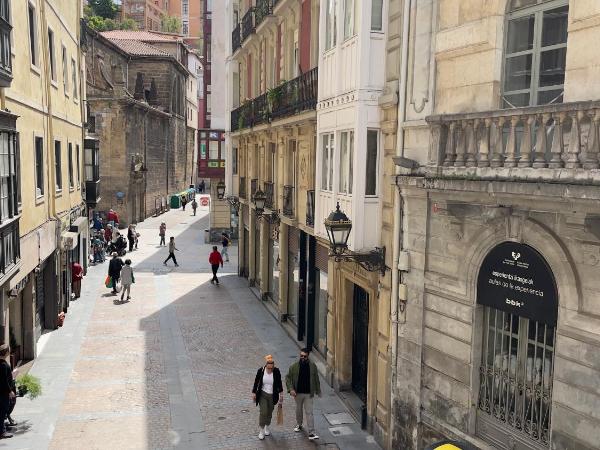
[74, 79]
[381, 28]
[52, 55]
[65, 62]
[78, 155]
[350, 26]
[58, 182]
[346, 162]
[39, 166]
[330, 24]
[70, 166]
[377, 153]
[327, 172]
[34, 54]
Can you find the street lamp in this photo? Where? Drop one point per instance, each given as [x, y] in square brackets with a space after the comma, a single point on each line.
[338, 227]
[259, 200]
[220, 190]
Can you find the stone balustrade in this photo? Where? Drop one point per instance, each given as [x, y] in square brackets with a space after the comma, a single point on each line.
[552, 142]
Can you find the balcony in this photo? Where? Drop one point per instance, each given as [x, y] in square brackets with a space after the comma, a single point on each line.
[310, 208]
[552, 143]
[248, 25]
[269, 190]
[92, 193]
[236, 39]
[242, 187]
[288, 201]
[287, 99]
[253, 187]
[262, 10]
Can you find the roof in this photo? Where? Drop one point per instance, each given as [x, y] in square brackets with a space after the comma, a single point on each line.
[137, 48]
[146, 36]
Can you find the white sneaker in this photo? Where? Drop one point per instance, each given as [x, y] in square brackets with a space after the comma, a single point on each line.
[261, 435]
[267, 432]
[313, 436]
[298, 428]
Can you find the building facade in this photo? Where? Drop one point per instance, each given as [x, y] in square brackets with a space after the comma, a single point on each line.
[147, 14]
[496, 338]
[43, 225]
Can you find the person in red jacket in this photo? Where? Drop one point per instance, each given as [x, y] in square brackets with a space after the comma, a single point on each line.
[215, 260]
[113, 216]
[76, 276]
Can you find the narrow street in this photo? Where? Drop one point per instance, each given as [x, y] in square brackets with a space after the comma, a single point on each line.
[172, 368]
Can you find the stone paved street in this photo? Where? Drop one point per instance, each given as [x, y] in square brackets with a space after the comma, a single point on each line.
[172, 368]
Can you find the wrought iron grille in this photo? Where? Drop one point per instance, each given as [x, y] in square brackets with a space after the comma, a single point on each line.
[269, 189]
[248, 24]
[288, 201]
[236, 38]
[516, 374]
[310, 208]
[242, 190]
[296, 95]
[262, 9]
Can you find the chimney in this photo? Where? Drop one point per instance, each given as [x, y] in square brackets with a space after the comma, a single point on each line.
[139, 87]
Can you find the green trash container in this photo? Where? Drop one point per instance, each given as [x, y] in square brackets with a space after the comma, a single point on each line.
[175, 201]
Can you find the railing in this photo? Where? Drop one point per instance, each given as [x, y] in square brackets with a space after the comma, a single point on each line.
[248, 26]
[288, 201]
[262, 9]
[310, 208]
[242, 188]
[92, 192]
[287, 99]
[253, 187]
[563, 136]
[236, 38]
[269, 189]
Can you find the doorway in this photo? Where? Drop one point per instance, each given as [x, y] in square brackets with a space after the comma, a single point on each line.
[360, 343]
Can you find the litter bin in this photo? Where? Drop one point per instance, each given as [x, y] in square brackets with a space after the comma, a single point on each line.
[207, 236]
[175, 201]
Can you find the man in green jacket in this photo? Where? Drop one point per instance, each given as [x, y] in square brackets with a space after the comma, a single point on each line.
[302, 381]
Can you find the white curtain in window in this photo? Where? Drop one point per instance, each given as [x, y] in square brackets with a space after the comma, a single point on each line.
[348, 18]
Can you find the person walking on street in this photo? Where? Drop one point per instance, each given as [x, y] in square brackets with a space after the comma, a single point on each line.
[114, 270]
[162, 230]
[76, 276]
[131, 237]
[225, 243]
[194, 205]
[302, 382]
[183, 202]
[202, 187]
[172, 249]
[266, 393]
[7, 393]
[215, 260]
[127, 279]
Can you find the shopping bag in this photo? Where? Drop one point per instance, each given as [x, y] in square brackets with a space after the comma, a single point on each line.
[108, 282]
[119, 287]
[279, 414]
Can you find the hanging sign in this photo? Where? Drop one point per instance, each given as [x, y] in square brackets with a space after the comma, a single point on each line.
[515, 278]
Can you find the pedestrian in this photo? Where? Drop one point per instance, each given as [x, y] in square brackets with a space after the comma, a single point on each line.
[225, 244]
[108, 233]
[131, 236]
[183, 202]
[112, 216]
[76, 276]
[97, 222]
[162, 230]
[202, 186]
[215, 259]
[266, 393]
[302, 382]
[98, 244]
[114, 270]
[127, 279]
[7, 393]
[194, 205]
[172, 249]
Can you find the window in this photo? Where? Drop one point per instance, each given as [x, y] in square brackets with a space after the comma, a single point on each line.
[346, 156]
[185, 27]
[330, 23]
[52, 54]
[9, 175]
[78, 165]
[71, 177]
[348, 18]
[208, 103]
[377, 15]
[185, 8]
[92, 165]
[535, 53]
[213, 149]
[65, 70]
[5, 41]
[234, 161]
[57, 165]
[32, 35]
[39, 166]
[74, 73]
[327, 163]
[372, 160]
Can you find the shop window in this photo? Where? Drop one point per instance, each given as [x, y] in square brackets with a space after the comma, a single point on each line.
[535, 53]
[346, 161]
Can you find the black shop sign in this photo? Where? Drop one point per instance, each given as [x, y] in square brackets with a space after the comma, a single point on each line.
[516, 278]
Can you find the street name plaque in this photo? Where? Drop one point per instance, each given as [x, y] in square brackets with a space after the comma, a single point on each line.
[515, 278]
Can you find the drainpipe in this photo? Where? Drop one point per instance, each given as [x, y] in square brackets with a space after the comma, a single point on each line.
[396, 246]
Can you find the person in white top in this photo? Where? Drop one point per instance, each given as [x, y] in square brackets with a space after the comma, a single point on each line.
[127, 279]
[266, 393]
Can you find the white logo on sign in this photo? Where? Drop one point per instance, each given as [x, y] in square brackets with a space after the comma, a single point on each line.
[516, 256]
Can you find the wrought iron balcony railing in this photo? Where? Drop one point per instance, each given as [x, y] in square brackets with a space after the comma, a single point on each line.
[236, 38]
[269, 194]
[288, 201]
[242, 187]
[262, 9]
[310, 208]
[508, 144]
[248, 25]
[253, 187]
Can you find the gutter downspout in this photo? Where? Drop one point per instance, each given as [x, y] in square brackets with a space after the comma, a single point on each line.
[396, 246]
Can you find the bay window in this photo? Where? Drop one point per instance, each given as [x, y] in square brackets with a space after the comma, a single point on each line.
[346, 156]
[327, 162]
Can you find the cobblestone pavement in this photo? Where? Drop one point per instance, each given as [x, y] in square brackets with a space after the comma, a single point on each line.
[172, 368]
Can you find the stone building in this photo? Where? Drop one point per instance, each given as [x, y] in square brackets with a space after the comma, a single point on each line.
[146, 13]
[494, 292]
[42, 224]
[137, 101]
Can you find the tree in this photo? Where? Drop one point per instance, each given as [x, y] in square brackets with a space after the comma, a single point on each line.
[170, 24]
[101, 24]
[104, 8]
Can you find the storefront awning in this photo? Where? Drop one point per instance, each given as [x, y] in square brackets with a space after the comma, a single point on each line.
[68, 240]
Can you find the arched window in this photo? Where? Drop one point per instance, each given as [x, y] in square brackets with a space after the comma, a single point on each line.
[535, 52]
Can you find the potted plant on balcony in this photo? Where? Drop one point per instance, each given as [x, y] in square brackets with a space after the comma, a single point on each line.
[274, 96]
[28, 385]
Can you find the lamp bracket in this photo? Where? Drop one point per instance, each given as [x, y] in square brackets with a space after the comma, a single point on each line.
[234, 201]
[272, 217]
[371, 261]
